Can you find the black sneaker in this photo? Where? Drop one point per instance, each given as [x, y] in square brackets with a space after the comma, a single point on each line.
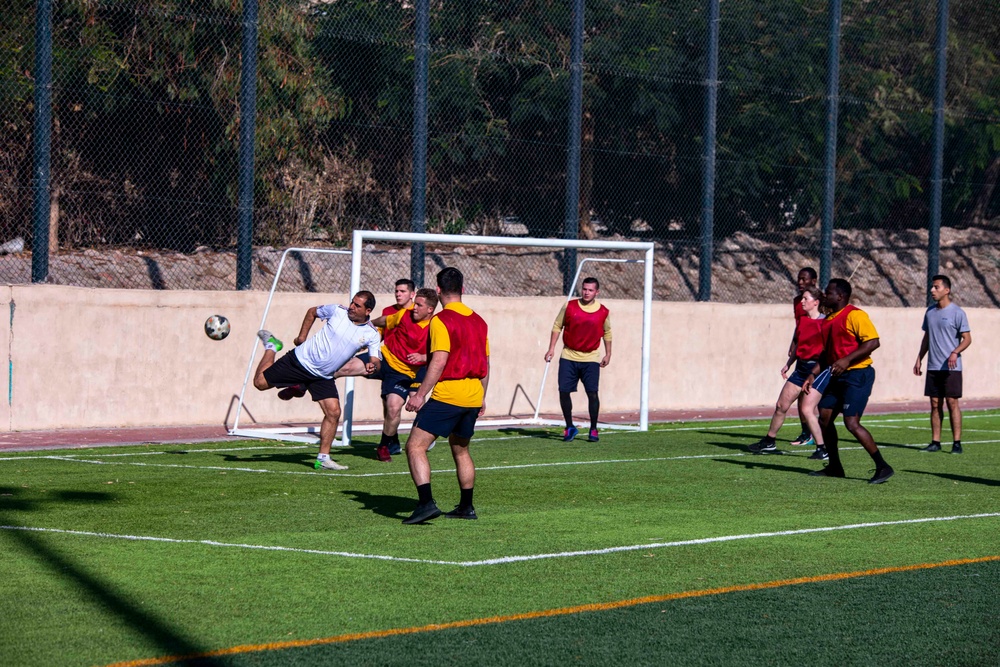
[956, 448]
[828, 471]
[424, 512]
[805, 438]
[764, 446]
[462, 513]
[933, 447]
[881, 475]
[395, 448]
[820, 454]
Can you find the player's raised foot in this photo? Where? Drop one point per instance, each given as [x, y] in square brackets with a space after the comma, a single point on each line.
[765, 445]
[593, 437]
[956, 448]
[570, 433]
[462, 513]
[424, 512]
[829, 471]
[295, 391]
[269, 340]
[881, 475]
[820, 454]
[804, 439]
[383, 453]
[933, 447]
[328, 464]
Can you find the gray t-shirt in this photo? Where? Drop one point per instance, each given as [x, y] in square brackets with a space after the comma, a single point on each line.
[945, 327]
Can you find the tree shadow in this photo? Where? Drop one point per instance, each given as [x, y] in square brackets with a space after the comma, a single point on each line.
[392, 507]
[154, 628]
[305, 271]
[959, 478]
[155, 275]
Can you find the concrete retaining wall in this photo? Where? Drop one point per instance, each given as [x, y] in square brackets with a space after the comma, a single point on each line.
[83, 357]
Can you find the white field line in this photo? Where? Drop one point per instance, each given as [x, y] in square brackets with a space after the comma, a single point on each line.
[507, 559]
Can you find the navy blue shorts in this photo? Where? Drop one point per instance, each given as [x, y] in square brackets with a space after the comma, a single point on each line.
[822, 380]
[572, 372]
[803, 367]
[943, 384]
[444, 419]
[394, 382]
[288, 372]
[848, 393]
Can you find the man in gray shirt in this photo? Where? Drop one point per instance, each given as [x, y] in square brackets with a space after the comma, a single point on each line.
[946, 336]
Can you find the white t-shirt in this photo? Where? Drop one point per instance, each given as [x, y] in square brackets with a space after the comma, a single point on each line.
[340, 339]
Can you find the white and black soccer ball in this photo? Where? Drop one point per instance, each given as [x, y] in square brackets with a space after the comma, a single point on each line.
[217, 327]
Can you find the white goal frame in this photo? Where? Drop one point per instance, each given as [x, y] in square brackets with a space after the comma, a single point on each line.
[310, 434]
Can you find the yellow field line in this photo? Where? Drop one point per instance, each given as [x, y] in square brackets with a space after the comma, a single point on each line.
[597, 606]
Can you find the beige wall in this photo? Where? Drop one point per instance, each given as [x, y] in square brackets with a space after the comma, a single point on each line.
[105, 358]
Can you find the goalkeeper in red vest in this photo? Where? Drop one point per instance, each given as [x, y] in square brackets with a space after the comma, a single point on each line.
[584, 323]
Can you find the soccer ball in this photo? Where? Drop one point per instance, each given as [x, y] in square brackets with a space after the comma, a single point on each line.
[217, 327]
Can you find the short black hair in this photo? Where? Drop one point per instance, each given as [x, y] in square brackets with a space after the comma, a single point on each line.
[406, 281]
[450, 280]
[591, 280]
[945, 280]
[809, 271]
[841, 286]
[368, 297]
[428, 295]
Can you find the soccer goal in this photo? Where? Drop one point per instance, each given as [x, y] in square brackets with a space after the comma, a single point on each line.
[376, 259]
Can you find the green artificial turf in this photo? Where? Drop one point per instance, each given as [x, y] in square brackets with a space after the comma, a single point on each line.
[265, 549]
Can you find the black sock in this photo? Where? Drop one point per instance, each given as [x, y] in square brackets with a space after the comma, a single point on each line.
[385, 440]
[957, 443]
[466, 498]
[566, 403]
[594, 407]
[936, 442]
[424, 493]
[879, 461]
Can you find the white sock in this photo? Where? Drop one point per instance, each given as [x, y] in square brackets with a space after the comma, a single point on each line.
[322, 457]
[270, 346]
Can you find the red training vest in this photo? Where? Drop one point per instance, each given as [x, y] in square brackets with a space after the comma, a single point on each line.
[467, 357]
[406, 338]
[583, 331]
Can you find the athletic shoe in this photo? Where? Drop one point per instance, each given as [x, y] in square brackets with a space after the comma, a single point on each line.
[395, 448]
[295, 391]
[268, 338]
[933, 447]
[328, 464]
[764, 446]
[462, 513]
[424, 512]
[383, 453]
[570, 433]
[956, 448]
[593, 435]
[881, 475]
[828, 471]
[820, 454]
[805, 438]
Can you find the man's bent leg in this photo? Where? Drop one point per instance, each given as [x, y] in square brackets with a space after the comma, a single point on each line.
[266, 362]
[352, 368]
[331, 418]
[393, 413]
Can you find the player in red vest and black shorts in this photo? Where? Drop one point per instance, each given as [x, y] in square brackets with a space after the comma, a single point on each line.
[850, 339]
[584, 323]
[450, 398]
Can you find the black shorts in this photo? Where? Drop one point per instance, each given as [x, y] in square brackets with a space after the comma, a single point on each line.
[943, 384]
[444, 419]
[288, 372]
[573, 372]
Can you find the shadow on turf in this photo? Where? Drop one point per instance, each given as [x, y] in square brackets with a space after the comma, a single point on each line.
[544, 434]
[393, 507]
[756, 463]
[959, 478]
[301, 458]
[155, 629]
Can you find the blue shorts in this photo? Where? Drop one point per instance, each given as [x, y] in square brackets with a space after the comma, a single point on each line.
[394, 382]
[848, 393]
[443, 419]
[803, 367]
[822, 381]
[572, 372]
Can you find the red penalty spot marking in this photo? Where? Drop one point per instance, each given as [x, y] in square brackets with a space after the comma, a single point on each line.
[565, 611]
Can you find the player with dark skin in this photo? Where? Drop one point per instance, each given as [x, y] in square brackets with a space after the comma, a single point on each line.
[806, 279]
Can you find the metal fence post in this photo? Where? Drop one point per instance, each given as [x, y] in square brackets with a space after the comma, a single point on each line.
[830, 143]
[937, 166]
[418, 219]
[42, 141]
[708, 170]
[248, 123]
[571, 214]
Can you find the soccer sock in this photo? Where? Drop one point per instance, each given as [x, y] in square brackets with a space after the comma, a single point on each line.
[936, 442]
[879, 461]
[957, 443]
[424, 493]
[385, 440]
[566, 403]
[322, 457]
[466, 498]
[270, 346]
[594, 403]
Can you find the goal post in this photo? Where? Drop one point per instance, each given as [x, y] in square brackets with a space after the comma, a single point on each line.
[361, 237]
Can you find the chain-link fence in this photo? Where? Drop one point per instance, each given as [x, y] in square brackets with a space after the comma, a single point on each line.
[145, 157]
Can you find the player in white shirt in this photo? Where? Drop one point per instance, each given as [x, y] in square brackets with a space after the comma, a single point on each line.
[314, 361]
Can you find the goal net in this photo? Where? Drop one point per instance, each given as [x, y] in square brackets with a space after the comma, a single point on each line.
[502, 275]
